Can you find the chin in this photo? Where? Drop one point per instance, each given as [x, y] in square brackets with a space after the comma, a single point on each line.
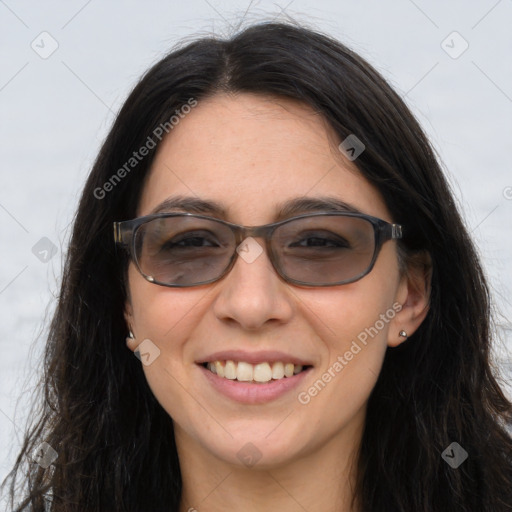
[257, 451]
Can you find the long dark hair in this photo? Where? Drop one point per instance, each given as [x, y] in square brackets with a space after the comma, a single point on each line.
[115, 443]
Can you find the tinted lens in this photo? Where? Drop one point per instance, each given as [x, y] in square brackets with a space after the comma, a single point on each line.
[324, 249]
[183, 250]
[317, 250]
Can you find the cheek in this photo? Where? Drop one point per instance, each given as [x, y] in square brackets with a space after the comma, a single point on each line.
[167, 317]
[353, 322]
[353, 326]
[358, 311]
[353, 352]
[161, 313]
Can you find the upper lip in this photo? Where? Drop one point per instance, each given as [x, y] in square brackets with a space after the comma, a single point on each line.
[263, 356]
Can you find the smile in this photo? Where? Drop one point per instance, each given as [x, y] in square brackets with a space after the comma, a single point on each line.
[257, 383]
[258, 373]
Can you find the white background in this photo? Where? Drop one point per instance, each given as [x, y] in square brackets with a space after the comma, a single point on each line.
[55, 112]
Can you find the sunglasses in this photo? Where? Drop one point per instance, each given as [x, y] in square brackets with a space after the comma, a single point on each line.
[316, 249]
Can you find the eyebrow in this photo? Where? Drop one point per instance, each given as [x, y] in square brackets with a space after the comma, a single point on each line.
[287, 209]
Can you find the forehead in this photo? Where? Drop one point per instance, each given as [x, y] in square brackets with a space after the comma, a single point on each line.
[251, 154]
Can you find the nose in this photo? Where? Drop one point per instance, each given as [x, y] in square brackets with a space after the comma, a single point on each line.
[252, 294]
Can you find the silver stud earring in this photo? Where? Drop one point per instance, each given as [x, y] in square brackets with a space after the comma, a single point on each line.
[402, 334]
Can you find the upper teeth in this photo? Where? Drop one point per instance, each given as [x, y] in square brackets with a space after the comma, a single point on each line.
[261, 372]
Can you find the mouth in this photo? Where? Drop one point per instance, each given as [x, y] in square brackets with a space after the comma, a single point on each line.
[260, 373]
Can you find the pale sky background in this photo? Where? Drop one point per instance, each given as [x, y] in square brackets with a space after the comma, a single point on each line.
[55, 112]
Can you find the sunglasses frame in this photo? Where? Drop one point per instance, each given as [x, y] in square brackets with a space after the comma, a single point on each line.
[125, 235]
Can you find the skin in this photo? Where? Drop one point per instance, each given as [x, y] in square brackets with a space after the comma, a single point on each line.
[251, 153]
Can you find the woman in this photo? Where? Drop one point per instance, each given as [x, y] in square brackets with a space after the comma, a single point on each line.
[267, 226]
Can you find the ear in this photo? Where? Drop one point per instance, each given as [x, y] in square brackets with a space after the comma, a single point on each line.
[128, 316]
[413, 295]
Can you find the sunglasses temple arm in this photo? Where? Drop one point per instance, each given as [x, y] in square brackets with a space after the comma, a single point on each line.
[396, 230]
[122, 234]
[387, 231]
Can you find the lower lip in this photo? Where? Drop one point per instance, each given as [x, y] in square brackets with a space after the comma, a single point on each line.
[249, 393]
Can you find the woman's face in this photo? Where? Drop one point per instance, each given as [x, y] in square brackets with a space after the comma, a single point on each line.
[251, 154]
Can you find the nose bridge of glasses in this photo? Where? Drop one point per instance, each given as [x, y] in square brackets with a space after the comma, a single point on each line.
[242, 233]
[254, 232]
[262, 232]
